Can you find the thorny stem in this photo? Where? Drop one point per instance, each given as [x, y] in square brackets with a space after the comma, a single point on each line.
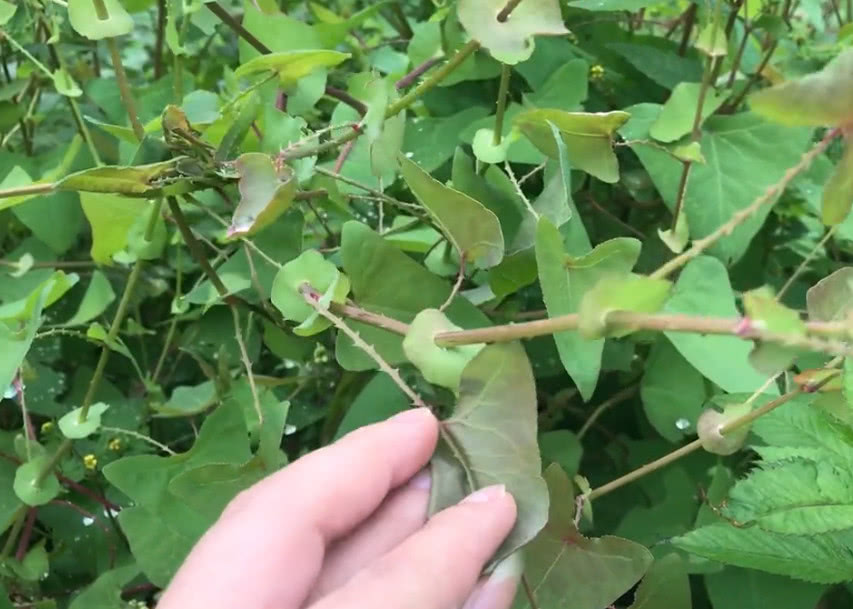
[312, 297]
[503, 89]
[697, 444]
[741, 216]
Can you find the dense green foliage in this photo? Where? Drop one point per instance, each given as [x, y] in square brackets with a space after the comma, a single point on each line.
[605, 240]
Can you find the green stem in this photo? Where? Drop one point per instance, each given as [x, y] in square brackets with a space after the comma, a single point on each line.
[20, 516]
[43, 68]
[503, 88]
[84, 131]
[124, 89]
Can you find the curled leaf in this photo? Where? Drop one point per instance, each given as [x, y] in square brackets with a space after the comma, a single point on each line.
[510, 40]
[87, 22]
[65, 85]
[485, 148]
[440, 365]
[838, 192]
[266, 192]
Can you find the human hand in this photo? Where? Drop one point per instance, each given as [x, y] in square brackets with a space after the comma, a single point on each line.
[346, 526]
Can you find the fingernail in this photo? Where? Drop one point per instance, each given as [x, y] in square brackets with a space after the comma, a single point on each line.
[421, 481]
[409, 417]
[499, 589]
[484, 495]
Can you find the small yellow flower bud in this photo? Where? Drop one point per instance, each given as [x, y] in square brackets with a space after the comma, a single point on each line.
[90, 462]
[114, 444]
[596, 72]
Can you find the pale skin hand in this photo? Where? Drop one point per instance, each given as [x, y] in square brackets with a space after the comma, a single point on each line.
[346, 527]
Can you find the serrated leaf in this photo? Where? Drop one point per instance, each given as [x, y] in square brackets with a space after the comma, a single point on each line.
[440, 365]
[831, 298]
[814, 558]
[734, 588]
[819, 99]
[794, 497]
[491, 439]
[588, 138]
[266, 192]
[27, 487]
[633, 293]
[510, 41]
[292, 65]
[473, 230]
[838, 191]
[73, 428]
[679, 112]
[87, 22]
[560, 563]
[565, 281]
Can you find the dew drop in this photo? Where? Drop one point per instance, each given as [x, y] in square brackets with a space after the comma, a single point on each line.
[682, 424]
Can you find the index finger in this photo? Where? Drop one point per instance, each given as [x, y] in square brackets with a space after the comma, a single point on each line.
[267, 547]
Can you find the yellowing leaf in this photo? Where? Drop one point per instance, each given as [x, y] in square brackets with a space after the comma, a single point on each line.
[111, 217]
[292, 65]
[472, 229]
[266, 192]
[510, 41]
[588, 138]
[820, 99]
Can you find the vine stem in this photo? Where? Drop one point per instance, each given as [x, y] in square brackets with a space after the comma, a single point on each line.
[503, 89]
[312, 297]
[617, 398]
[741, 327]
[112, 334]
[741, 216]
[695, 445]
[395, 108]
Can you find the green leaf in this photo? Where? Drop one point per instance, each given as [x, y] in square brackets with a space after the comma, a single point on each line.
[679, 112]
[7, 11]
[87, 22]
[106, 591]
[99, 294]
[819, 99]
[160, 527]
[588, 138]
[712, 40]
[744, 155]
[74, 429]
[734, 588]
[440, 365]
[45, 294]
[703, 289]
[831, 298]
[485, 148]
[676, 240]
[665, 586]
[491, 439]
[510, 41]
[814, 558]
[188, 400]
[565, 280]
[65, 85]
[432, 140]
[562, 447]
[27, 487]
[292, 66]
[612, 5]
[472, 229]
[380, 399]
[323, 276]
[711, 422]
[369, 260]
[673, 392]
[265, 193]
[208, 488]
[560, 563]
[613, 292]
[838, 191]
[16, 342]
[794, 498]
[111, 218]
